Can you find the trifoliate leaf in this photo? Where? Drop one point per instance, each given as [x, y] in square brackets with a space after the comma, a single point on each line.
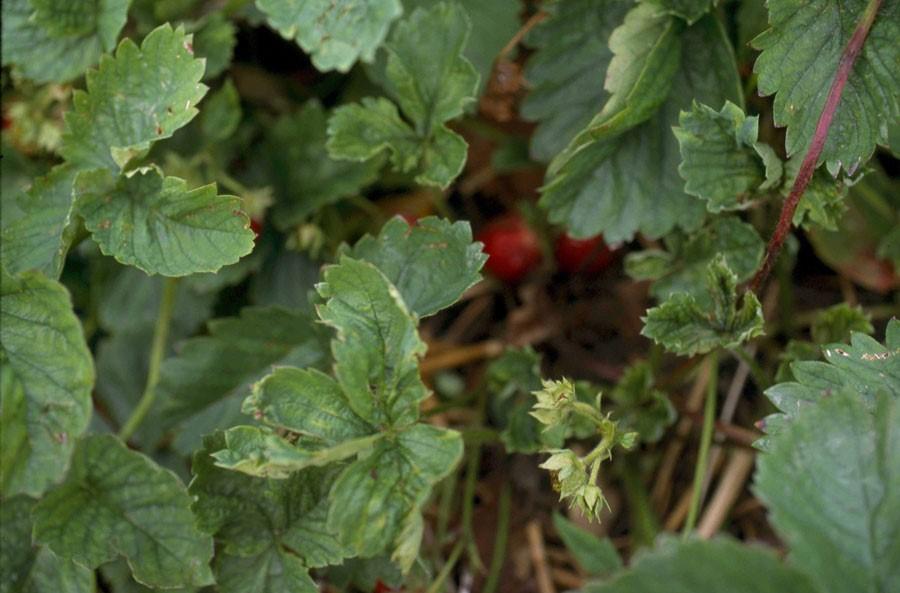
[133, 99]
[682, 268]
[595, 556]
[377, 347]
[304, 176]
[204, 385]
[263, 524]
[640, 407]
[831, 482]
[160, 226]
[722, 162]
[429, 93]
[118, 502]
[566, 71]
[47, 376]
[822, 204]
[31, 569]
[800, 55]
[620, 184]
[863, 367]
[372, 498]
[720, 565]
[430, 263]
[56, 40]
[215, 43]
[40, 238]
[685, 326]
[335, 33]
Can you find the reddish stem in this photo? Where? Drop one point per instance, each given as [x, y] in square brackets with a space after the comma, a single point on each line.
[808, 166]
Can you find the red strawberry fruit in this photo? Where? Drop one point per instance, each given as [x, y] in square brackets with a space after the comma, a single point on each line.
[589, 256]
[513, 248]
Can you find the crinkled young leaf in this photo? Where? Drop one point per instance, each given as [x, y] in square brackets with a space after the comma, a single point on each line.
[133, 99]
[722, 162]
[377, 346]
[431, 82]
[204, 385]
[47, 375]
[684, 325]
[682, 268]
[839, 322]
[566, 71]
[639, 406]
[620, 184]
[372, 498]
[56, 40]
[118, 502]
[336, 33]
[831, 482]
[430, 263]
[26, 568]
[40, 238]
[720, 565]
[800, 55]
[304, 176]
[269, 531]
[157, 224]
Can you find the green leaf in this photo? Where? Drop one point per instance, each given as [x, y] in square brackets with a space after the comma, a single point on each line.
[215, 42]
[863, 367]
[156, 224]
[510, 381]
[221, 113]
[618, 177]
[431, 263]
[595, 556]
[715, 566]
[118, 502]
[689, 10]
[839, 322]
[269, 531]
[304, 176]
[831, 482]
[133, 99]
[566, 70]
[204, 385]
[429, 93]
[377, 347]
[682, 268]
[30, 569]
[335, 33]
[686, 326]
[800, 55]
[56, 40]
[40, 239]
[47, 376]
[321, 413]
[822, 204]
[722, 162]
[640, 407]
[373, 497]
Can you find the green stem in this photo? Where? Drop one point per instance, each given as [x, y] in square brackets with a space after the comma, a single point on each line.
[439, 580]
[644, 523]
[157, 352]
[709, 416]
[499, 553]
[474, 462]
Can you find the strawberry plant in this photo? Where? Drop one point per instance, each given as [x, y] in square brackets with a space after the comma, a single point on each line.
[246, 343]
